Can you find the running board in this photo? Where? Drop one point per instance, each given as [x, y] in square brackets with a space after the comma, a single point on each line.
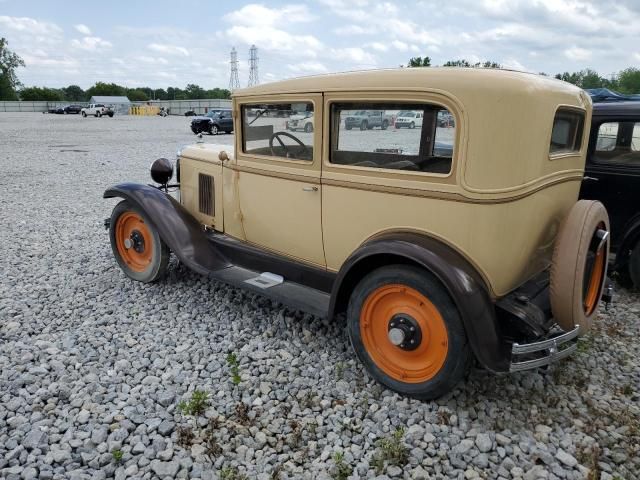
[291, 294]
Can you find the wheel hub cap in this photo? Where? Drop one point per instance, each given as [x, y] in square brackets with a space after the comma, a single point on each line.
[404, 332]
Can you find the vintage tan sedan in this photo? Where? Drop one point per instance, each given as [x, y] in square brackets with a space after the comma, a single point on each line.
[459, 240]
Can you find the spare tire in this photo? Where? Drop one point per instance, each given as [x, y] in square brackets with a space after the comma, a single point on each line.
[579, 265]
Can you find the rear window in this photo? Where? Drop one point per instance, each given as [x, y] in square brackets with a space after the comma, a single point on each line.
[566, 135]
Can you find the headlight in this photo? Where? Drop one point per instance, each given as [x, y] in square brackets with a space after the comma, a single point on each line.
[161, 171]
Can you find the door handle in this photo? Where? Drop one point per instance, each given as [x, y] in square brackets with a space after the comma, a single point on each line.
[591, 179]
[309, 189]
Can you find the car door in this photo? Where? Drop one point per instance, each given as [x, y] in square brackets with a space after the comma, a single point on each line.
[279, 177]
[226, 121]
[612, 173]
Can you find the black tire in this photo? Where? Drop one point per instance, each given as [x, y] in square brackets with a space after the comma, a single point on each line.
[348, 127]
[84, 114]
[308, 128]
[458, 354]
[385, 125]
[111, 115]
[228, 131]
[634, 266]
[412, 125]
[98, 114]
[364, 125]
[213, 129]
[160, 252]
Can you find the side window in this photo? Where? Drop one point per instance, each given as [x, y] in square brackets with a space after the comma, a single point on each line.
[411, 137]
[566, 135]
[618, 143]
[279, 130]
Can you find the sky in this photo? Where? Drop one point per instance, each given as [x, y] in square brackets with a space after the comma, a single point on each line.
[169, 43]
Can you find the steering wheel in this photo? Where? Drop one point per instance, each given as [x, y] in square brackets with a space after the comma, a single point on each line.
[288, 153]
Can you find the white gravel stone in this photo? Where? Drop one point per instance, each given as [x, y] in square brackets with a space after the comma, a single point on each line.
[566, 458]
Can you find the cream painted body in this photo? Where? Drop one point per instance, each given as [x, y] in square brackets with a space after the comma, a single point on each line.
[501, 206]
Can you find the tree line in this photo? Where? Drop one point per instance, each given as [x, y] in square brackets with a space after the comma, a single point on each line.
[627, 81]
[73, 93]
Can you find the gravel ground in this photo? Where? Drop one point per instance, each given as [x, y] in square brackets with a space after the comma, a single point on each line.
[93, 365]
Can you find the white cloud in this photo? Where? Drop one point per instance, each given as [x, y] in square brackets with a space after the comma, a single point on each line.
[29, 25]
[355, 55]
[636, 56]
[91, 44]
[380, 47]
[258, 15]
[274, 39]
[152, 60]
[577, 54]
[168, 49]
[83, 29]
[399, 45]
[352, 30]
[307, 67]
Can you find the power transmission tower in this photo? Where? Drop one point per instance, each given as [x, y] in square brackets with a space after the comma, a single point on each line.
[253, 66]
[234, 82]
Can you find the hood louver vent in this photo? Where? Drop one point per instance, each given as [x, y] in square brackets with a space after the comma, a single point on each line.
[206, 202]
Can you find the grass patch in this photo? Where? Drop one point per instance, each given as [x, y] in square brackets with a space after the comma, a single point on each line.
[117, 455]
[196, 405]
[234, 368]
[232, 473]
[341, 470]
[391, 451]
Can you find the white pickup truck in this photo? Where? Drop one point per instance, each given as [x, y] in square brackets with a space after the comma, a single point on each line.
[97, 110]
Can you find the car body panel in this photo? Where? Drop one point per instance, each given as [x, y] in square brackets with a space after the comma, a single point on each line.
[615, 184]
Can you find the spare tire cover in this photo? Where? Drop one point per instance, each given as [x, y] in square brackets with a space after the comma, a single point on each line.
[579, 268]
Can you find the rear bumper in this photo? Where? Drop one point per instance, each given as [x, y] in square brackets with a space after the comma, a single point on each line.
[539, 354]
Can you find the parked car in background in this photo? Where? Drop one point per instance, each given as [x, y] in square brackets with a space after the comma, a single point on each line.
[612, 176]
[190, 113]
[75, 109]
[300, 121]
[436, 257]
[408, 119]
[97, 110]
[366, 119]
[215, 121]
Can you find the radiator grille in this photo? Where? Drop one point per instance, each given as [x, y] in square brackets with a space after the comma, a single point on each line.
[206, 198]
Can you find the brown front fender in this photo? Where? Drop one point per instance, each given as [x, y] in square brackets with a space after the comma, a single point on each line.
[181, 232]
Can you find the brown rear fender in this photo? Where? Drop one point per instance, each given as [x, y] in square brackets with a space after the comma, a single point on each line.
[176, 226]
[459, 277]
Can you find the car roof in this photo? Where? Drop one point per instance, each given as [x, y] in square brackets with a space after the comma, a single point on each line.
[458, 81]
[616, 108]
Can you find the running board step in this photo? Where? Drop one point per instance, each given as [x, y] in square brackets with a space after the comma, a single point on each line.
[291, 294]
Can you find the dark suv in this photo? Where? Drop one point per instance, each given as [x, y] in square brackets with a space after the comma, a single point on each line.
[612, 175]
[213, 122]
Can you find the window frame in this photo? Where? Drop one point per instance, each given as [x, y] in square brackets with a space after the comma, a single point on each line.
[559, 154]
[248, 102]
[409, 102]
[592, 156]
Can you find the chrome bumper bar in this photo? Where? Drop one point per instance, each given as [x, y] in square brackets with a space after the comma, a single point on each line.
[550, 350]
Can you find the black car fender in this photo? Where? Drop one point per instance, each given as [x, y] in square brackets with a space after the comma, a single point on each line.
[463, 282]
[182, 233]
[630, 237]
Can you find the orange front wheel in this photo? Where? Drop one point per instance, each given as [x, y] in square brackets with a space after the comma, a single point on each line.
[407, 331]
[136, 244]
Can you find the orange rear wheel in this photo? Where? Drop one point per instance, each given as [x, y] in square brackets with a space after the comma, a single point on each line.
[407, 331]
[404, 333]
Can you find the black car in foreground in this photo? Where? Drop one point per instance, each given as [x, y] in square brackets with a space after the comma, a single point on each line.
[612, 176]
[213, 122]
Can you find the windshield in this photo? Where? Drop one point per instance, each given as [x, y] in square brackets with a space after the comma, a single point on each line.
[407, 114]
